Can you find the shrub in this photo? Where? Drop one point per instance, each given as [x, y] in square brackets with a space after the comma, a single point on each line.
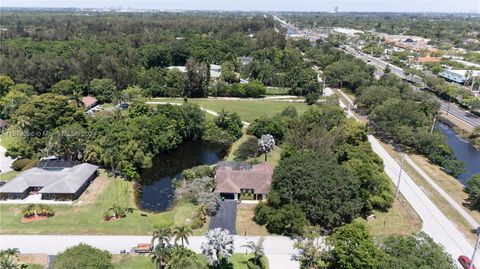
[216, 135]
[83, 256]
[200, 192]
[268, 125]
[23, 164]
[312, 98]
[37, 210]
[197, 172]
[248, 149]
[251, 264]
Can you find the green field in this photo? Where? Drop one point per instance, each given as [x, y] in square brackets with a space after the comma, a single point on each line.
[237, 261]
[84, 217]
[248, 109]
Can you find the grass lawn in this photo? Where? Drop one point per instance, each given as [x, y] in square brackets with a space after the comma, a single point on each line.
[442, 204]
[272, 157]
[245, 223]
[248, 109]
[9, 137]
[9, 175]
[86, 215]
[237, 261]
[132, 261]
[401, 219]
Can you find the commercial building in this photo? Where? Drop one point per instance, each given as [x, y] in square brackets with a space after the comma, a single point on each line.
[458, 76]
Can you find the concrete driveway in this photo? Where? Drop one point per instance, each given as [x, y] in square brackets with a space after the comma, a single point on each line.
[225, 217]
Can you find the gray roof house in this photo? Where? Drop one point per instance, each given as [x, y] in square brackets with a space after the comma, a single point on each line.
[62, 184]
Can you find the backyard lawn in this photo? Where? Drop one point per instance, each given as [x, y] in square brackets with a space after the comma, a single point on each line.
[248, 109]
[86, 215]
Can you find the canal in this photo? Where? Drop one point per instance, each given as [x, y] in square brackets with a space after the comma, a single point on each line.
[155, 192]
[464, 151]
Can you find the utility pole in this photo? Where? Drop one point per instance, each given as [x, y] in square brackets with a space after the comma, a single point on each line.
[475, 248]
[400, 175]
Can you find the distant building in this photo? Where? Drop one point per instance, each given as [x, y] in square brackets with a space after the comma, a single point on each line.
[215, 70]
[3, 125]
[429, 60]
[458, 76]
[244, 60]
[237, 178]
[52, 184]
[89, 102]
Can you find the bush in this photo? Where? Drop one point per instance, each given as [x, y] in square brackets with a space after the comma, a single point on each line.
[216, 135]
[37, 210]
[268, 125]
[311, 98]
[83, 256]
[23, 164]
[252, 265]
[197, 172]
[248, 149]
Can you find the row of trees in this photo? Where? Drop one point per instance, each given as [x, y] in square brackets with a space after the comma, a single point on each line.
[352, 246]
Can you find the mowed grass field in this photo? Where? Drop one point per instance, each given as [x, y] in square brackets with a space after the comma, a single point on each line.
[86, 217]
[248, 109]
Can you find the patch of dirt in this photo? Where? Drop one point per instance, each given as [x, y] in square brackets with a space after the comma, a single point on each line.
[33, 259]
[97, 186]
[30, 219]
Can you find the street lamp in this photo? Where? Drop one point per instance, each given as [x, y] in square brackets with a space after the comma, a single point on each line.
[475, 248]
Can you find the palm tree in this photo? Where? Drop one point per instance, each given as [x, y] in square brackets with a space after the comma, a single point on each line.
[158, 255]
[219, 246]
[11, 252]
[163, 236]
[182, 233]
[256, 248]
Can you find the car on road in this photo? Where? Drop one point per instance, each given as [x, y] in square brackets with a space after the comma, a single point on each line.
[465, 262]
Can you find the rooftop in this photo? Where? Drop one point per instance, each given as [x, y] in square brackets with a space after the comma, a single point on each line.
[64, 180]
[231, 180]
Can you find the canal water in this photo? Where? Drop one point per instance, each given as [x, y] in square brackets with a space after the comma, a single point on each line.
[155, 192]
[464, 151]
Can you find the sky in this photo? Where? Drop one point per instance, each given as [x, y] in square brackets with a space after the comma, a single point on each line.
[446, 6]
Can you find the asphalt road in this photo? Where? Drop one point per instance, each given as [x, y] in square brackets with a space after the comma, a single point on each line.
[226, 217]
[435, 223]
[459, 113]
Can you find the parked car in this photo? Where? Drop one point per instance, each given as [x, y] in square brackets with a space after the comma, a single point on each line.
[465, 262]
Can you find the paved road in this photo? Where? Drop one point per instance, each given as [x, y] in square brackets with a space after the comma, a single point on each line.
[5, 162]
[435, 223]
[225, 217]
[278, 249]
[459, 113]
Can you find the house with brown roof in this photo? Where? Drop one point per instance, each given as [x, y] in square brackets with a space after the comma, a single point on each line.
[89, 102]
[236, 180]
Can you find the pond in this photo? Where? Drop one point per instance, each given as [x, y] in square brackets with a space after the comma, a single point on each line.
[155, 192]
[464, 151]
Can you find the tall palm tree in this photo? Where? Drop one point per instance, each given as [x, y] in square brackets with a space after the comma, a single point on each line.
[158, 255]
[256, 248]
[11, 251]
[182, 233]
[163, 235]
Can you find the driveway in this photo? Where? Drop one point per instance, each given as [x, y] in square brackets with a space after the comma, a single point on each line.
[225, 217]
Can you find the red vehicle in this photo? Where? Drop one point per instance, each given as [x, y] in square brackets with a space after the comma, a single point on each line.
[465, 262]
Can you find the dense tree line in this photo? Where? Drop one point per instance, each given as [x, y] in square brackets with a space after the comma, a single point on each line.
[328, 174]
[406, 117]
[353, 247]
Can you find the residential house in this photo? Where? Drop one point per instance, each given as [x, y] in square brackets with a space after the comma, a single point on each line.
[239, 180]
[50, 182]
[89, 102]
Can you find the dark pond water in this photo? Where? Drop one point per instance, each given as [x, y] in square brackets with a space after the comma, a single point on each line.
[464, 151]
[155, 192]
